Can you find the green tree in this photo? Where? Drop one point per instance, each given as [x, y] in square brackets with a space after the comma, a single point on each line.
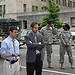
[53, 14]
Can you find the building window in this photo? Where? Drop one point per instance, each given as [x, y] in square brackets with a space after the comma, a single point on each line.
[0, 10]
[73, 4]
[64, 2]
[69, 3]
[57, 1]
[4, 9]
[24, 7]
[73, 22]
[44, 0]
[43, 9]
[33, 8]
[36, 8]
[25, 24]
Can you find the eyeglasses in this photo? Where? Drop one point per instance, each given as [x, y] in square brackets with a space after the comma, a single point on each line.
[15, 32]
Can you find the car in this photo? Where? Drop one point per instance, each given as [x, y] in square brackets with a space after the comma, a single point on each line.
[0, 41]
[73, 39]
[23, 34]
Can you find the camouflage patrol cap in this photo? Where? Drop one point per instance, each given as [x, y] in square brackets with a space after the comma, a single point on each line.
[49, 22]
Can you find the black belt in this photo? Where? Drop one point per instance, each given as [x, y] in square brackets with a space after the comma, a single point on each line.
[12, 62]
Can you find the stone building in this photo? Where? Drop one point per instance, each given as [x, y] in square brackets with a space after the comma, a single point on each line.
[28, 11]
[67, 12]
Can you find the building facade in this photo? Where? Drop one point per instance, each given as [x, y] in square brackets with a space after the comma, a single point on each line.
[28, 11]
[65, 3]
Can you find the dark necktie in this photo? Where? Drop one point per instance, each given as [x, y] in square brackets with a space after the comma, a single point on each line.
[37, 51]
[35, 39]
[14, 46]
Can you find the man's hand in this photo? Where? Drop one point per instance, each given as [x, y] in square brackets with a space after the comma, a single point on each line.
[20, 68]
[52, 25]
[30, 42]
[15, 54]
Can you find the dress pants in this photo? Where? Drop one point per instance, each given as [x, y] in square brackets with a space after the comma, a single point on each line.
[37, 66]
[11, 69]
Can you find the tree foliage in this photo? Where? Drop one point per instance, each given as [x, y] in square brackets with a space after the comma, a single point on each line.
[53, 14]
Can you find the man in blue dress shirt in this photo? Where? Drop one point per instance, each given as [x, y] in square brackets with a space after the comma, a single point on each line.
[10, 52]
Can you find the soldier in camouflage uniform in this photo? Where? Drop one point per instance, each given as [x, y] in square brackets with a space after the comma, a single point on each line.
[48, 31]
[65, 45]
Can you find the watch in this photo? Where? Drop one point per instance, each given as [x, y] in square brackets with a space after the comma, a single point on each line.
[12, 55]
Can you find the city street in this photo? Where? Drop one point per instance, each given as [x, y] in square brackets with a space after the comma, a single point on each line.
[55, 62]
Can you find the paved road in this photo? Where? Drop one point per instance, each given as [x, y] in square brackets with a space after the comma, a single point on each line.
[55, 62]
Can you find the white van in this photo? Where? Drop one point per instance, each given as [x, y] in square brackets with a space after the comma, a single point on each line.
[73, 34]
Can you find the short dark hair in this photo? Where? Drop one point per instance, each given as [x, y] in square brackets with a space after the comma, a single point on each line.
[49, 22]
[68, 27]
[11, 28]
[33, 24]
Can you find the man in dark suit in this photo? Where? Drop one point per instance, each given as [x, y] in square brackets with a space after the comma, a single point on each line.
[34, 55]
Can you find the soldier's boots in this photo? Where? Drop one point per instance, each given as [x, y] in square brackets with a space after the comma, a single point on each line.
[50, 66]
[72, 66]
[62, 66]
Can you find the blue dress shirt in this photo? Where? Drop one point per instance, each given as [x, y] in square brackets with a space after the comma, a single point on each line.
[7, 47]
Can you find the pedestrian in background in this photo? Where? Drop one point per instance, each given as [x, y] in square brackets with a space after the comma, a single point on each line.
[10, 52]
[34, 55]
[48, 31]
[65, 45]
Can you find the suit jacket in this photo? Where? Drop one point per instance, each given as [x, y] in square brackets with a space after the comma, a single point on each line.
[32, 47]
